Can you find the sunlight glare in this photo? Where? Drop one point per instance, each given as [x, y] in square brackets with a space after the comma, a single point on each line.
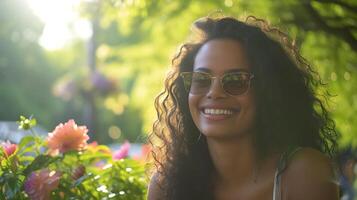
[62, 22]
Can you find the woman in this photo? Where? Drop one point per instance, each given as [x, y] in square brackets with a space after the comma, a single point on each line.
[239, 119]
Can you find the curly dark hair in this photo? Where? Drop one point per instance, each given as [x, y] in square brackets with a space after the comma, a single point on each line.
[289, 111]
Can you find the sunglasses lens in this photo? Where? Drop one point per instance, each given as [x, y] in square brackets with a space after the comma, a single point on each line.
[236, 84]
[200, 83]
[187, 79]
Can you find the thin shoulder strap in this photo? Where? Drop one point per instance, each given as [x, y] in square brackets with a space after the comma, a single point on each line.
[279, 170]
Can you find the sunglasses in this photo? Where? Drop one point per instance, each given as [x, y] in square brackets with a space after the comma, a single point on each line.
[197, 83]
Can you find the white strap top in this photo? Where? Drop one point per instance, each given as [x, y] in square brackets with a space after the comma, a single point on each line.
[279, 170]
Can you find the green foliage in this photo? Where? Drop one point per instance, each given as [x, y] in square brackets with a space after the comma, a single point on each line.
[87, 174]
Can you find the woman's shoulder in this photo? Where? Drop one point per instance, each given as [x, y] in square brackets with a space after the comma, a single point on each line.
[310, 175]
[306, 158]
[154, 189]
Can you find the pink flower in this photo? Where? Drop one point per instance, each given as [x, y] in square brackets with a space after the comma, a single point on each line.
[67, 137]
[122, 152]
[40, 185]
[8, 148]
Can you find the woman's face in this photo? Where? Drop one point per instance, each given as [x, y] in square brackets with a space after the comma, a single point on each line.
[216, 113]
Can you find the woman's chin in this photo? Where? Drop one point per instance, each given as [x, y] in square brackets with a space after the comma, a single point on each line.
[221, 136]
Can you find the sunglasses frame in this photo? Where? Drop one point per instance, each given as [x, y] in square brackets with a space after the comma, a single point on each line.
[250, 77]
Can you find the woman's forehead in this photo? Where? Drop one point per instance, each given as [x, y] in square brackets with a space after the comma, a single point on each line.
[221, 55]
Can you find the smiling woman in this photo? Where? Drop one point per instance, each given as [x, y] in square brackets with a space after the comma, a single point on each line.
[221, 112]
[239, 119]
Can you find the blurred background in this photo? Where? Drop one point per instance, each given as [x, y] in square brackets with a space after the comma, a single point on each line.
[102, 62]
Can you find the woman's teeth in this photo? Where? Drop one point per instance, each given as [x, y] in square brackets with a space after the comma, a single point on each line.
[217, 111]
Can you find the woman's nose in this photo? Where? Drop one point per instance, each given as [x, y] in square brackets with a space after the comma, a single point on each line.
[216, 90]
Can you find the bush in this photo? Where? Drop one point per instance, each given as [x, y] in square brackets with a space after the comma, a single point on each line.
[64, 166]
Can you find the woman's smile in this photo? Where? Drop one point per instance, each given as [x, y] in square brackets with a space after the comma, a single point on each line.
[218, 114]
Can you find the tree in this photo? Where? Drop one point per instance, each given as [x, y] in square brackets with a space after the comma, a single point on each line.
[25, 75]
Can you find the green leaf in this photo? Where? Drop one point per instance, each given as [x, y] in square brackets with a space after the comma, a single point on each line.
[95, 156]
[12, 185]
[25, 159]
[26, 140]
[41, 161]
[33, 122]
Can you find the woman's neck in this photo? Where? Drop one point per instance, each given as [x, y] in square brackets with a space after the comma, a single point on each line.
[234, 160]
